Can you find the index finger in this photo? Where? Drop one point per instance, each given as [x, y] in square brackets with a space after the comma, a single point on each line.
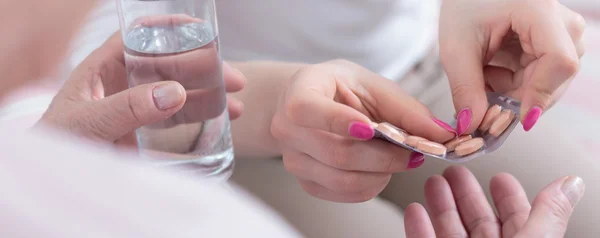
[386, 101]
[391, 104]
[363, 96]
[310, 101]
[543, 34]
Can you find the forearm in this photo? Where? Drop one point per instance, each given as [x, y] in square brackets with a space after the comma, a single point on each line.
[265, 81]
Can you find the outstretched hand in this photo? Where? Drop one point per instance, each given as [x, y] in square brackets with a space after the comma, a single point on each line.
[458, 208]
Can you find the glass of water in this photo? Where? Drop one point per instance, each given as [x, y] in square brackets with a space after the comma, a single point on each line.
[177, 40]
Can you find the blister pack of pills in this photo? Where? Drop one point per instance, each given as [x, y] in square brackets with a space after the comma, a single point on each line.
[501, 118]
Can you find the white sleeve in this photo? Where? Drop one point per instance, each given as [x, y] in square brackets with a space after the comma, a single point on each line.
[67, 189]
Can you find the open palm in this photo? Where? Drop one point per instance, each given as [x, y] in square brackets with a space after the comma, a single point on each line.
[458, 208]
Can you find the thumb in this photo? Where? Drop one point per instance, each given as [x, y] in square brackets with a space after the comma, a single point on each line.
[126, 111]
[553, 207]
[462, 60]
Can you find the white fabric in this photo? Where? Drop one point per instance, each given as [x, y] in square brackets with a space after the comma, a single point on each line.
[386, 36]
[66, 189]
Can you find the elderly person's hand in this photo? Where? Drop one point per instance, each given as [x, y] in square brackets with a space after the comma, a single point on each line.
[96, 103]
[458, 208]
[528, 49]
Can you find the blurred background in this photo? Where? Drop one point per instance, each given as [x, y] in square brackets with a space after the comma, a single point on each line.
[578, 111]
[580, 104]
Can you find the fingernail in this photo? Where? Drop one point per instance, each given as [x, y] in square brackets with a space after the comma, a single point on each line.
[416, 160]
[167, 95]
[361, 130]
[463, 121]
[531, 118]
[573, 188]
[445, 126]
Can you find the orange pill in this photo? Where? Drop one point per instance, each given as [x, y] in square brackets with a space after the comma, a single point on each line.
[489, 118]
[385, 128]
[451, 145]
[412, 141]
[501, 123]
[431, 147]
[469, 147]
[392, 132]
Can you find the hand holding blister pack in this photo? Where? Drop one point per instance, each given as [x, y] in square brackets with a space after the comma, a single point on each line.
[501, 118]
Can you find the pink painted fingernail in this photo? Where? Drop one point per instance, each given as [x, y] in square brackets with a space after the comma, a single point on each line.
[445, 126]
[463, 121]
[416, 160]
[361, 130]
[532, 117]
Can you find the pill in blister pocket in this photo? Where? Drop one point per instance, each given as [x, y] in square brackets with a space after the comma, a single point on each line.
[497, 125]
[431, 147]
[501, 123]
[451, 145]
[388, 130]
[412, 141]
[489, 118]
[469, 147]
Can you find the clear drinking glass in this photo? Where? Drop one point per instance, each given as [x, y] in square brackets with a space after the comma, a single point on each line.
[177, 40]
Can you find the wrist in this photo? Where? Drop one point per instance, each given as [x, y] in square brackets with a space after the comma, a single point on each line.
[266, 81]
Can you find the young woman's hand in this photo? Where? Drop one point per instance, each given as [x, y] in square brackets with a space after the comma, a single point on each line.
[324, 125]
[458, 207]
[528, 49]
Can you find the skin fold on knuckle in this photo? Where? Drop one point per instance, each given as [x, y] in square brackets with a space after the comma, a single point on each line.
[338, 154]
[460, 91]
[453, 235]
[388, 165]
[296, 109]
[543, 96]
[483, 225]
[515, 216]
[394, 161]
[89, 124]
[565, 65]
[558, 208]
[137, 112]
